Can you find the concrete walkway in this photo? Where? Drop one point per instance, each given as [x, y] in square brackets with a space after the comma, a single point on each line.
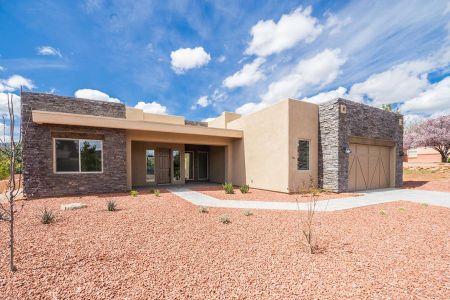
[368, 198]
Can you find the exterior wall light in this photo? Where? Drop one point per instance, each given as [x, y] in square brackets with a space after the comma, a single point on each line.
[347, 150]
[343, 108]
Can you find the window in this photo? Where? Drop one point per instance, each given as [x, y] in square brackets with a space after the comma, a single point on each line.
[150, 154]
[176, 165]
[83, 156]
[412, 153]
[189, 165]
[202, 165]
[303, 155]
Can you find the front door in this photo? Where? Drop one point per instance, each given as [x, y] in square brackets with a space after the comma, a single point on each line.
[162, 166]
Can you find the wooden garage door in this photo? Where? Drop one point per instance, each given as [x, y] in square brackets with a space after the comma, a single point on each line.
[369, 167]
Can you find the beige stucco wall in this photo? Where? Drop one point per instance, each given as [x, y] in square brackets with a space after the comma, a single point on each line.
[261, 158]
[222, 120]
[217, 163]
[136, 114]
[303, 124]
[139, 164]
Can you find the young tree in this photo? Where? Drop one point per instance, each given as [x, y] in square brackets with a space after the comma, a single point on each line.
[433, 133]
[10, 148]
[389, 108]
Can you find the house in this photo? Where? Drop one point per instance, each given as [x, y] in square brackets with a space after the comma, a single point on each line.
[80, 146]
[422, 155]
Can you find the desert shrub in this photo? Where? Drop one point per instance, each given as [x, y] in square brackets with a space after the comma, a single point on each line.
[382, 212]
[401, 209]
[244, 188]
[46, 216]
[111, 205]
[134, 193]
[156, 192]
[248, 212]
[203, 209]
[424, 204]
[224, 219]
[228, 188]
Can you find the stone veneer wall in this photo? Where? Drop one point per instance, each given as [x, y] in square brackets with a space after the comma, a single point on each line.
[361, 120]
[39, 178]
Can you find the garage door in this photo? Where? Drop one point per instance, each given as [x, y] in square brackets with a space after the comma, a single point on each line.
[369, 167]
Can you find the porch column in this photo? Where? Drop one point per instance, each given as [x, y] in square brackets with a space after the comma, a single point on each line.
[129, 170]
[229, 163]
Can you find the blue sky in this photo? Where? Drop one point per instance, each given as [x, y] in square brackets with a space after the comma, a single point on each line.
[199, 58]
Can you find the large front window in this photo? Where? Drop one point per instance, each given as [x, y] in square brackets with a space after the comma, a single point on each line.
[176, 165]
[303, 155]
[150, 153]
[83, 156]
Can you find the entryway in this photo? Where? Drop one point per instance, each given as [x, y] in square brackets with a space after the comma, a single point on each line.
[162, 166]
[369, 167]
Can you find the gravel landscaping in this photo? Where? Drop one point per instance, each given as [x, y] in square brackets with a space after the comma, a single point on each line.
[431, 178]
[165, 248]
[217, 191]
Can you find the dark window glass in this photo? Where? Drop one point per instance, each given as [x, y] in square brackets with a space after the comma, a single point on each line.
[67, 156]
[176, 165]
[150, 165]
[303, 155]
[202, 165]
[91, 156]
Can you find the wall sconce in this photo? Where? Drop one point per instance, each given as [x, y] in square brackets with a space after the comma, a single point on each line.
[401, 153]
[343, 108]
[347, 150]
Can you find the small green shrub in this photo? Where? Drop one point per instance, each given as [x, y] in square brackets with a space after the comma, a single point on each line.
[401, 209]
[134, 193]
[248, 213]
[224, 219]
[244, 188]
[228, 188]
[156, 192]
[46, 216]
[424, 204]
[111, 205]
[203, 209]
[382, 212]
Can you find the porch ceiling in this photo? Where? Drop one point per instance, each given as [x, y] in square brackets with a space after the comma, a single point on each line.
[47, 117]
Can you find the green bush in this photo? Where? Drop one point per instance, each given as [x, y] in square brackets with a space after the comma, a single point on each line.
[203, 209]
[244, 189]
[228, 188]
[224, 219]
[156, 192]
[46, 216]
[134, 193]
[382, 212]
[111, 205]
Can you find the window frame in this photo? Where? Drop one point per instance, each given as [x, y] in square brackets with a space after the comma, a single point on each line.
[191, 170]
[79, 157]
[172, 167]
[309, 154]
[154, 165]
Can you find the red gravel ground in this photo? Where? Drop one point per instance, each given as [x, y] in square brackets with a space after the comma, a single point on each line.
[431, 178]
[163, 248]
[263, 195]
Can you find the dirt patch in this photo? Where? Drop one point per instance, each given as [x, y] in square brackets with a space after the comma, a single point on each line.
[432, 178]
[163, 248]
[263, 195]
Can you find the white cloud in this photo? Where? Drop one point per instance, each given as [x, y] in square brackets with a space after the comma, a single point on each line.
[48, 51]
[184, 59]
[208, 119]
[269, 37]
[152, 107]
[202, 102]
[222, 58]
[250, 107]
[249, 74]
[318, 70]
[327, 96]
[399, 83]
[335, 24]
[4, 103]
[2, 69]
[435, 100]
[95, 95]
[15, 82]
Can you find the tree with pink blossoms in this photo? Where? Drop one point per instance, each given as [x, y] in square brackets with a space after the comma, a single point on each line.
[434, 133]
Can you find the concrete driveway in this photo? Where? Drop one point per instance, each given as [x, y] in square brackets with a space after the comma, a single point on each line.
[368, 198]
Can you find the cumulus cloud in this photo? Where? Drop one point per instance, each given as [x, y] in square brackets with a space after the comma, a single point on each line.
[318, 70]
[248, 75]
[152, 107]
[435, 99]
[250, 107]
[185, 59]
[15, 82]
[48, 51]
[327, 96]
[95, 95]
[269, 37]
[201, 101]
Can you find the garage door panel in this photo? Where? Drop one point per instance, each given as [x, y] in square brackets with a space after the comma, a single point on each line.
[369, 167]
